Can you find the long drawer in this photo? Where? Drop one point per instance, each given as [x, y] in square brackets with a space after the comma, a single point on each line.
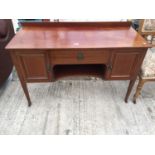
[79, 56]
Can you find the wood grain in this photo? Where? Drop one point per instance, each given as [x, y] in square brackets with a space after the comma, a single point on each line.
[76, 35]
[71, 57]
[38, 47]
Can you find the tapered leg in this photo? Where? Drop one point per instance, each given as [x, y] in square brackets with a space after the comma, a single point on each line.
[24, 86]
[131, 84]
[25, 89]
[21, 77]
[139, 88]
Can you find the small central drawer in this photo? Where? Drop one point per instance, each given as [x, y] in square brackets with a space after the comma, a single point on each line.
[79, 56]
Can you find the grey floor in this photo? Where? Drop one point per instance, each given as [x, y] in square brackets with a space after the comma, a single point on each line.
[76, 107]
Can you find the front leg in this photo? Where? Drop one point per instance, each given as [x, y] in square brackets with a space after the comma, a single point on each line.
[131, 84]
[21, 78]
[26, 92]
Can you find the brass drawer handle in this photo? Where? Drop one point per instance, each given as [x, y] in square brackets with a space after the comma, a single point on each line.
[80, 56]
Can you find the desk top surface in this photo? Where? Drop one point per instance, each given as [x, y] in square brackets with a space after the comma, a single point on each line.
[76, 35]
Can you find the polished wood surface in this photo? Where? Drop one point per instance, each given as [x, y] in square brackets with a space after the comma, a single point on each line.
[34, 66]
[46, 52]
[75, 35]
[79, 56]
[125, 63]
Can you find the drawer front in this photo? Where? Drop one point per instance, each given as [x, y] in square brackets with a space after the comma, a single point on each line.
[79, 57]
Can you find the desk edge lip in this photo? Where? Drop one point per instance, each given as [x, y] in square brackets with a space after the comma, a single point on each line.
[100, 48]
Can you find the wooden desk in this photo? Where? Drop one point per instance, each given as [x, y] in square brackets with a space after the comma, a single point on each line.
[46, 52]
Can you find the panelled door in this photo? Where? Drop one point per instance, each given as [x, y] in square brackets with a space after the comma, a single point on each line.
[124, 64]
[34, 65]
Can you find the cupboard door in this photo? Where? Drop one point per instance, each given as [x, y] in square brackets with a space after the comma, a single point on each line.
[34, 66]
[124, 65]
